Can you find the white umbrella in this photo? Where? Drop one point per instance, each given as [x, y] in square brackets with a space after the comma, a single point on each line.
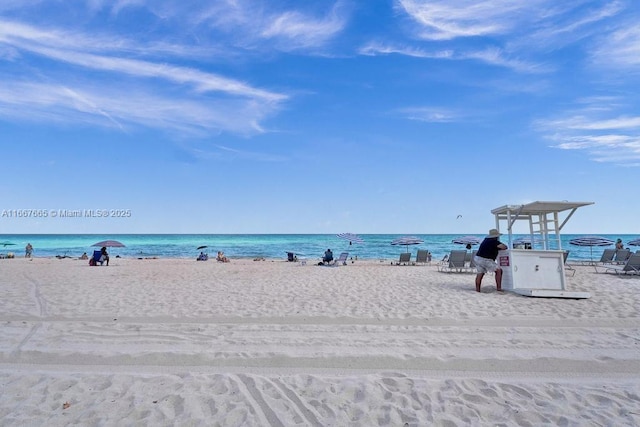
[591, 241]
[407, 240]
[466, 240]
[352, 238]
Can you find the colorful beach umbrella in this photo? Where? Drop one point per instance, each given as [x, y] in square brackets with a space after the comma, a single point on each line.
[352, 238]
[591, 241]
[466, 240]
[406, 241]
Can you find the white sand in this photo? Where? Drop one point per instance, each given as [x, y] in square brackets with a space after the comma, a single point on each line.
[271, 343]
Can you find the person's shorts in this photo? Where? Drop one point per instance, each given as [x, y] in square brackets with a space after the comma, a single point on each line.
[484, 265]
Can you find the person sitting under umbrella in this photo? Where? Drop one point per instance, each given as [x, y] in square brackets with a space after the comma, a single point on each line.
[104, 256]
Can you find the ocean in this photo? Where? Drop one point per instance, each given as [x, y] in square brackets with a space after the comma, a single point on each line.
[375, 246]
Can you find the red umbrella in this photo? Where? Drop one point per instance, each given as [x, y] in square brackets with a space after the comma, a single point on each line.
[109, 244]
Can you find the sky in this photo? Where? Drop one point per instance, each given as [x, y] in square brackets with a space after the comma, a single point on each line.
[256, 116]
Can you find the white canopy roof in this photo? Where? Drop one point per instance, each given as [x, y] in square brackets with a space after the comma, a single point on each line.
[542, 216]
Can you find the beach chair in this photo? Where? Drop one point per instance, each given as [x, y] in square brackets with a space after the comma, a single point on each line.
[405, 259]
[95, 258]
[342, 259]
[568, 267]
[621, 256]
[631, 266]
[472, 262]
[423, 257]
[456, 262]
[607, 256]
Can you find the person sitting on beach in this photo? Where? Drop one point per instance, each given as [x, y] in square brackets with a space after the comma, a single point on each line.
[202, 257]
[104, 256]
[221, 257]
[328, 256]
[485, 259]
[84, 256]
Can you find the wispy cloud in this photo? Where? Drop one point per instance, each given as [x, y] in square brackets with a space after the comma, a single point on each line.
[619, 49]
[429, 114]
[375, 48]
[604, 133]
[261, 23]
[492, 56]
[449, 19]
[125, 109]
[183, 98]
[515, 34]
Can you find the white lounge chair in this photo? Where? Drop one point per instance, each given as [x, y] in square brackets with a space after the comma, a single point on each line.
[423, 257]
[456, 262]
[341, 260]
[568, 267]
[621, 256]
[607, 256]
[631, 266]
[405, 259]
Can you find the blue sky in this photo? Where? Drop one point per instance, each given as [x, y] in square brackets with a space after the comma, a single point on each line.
[382, 116]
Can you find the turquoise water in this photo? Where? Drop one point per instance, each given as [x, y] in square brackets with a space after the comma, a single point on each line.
[375, 246]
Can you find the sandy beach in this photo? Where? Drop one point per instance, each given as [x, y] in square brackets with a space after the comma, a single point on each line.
[271, 343]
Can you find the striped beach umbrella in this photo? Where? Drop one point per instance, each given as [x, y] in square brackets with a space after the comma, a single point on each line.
[591, 241]
[466, 240]
[634, 242]
[352, 238]
[406, 241]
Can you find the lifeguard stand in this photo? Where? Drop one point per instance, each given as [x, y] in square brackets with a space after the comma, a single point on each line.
[539, 271]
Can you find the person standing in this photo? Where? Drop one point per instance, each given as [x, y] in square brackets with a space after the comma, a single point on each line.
[485, 258]
[28, 250]
[619, 244]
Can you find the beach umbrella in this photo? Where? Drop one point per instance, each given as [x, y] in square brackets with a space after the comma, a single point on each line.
[109, 244]
[634, 242]
[466, 240]
[526, 241]
[406, 241]
[201, 247]
[6, 243]
[352, 238]
[591, 241]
